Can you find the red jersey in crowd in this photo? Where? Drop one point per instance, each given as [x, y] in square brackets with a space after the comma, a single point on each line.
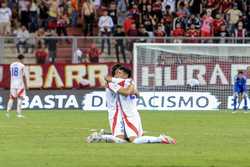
[93, 53]
[193, 33]
[127, 24]
[159, 33]
[156, 7]
[217, 24]
[225, 5]
[240, 33]
[178, 32]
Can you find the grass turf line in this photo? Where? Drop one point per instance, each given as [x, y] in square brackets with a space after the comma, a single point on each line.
[49, 139]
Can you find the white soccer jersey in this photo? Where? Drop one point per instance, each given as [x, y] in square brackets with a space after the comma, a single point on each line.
[130, 115]
[16, 75]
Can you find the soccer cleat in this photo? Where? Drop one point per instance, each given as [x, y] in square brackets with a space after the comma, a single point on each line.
[93, 138]
[245, 108]
[234, 111]
[167, 139]
[20, 116]
[101, 132]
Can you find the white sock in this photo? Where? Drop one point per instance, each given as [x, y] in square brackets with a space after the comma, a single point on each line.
[10, 104]
[147, 139]
[112, 139]
[19, 105]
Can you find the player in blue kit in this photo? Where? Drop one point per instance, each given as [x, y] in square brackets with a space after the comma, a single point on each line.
[240, 90]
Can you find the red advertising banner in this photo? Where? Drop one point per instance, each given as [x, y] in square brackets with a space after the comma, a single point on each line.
[61, 76]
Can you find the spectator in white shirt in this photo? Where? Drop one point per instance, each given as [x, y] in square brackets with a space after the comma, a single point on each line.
[105, 24]
[22, 39]
[5, 17]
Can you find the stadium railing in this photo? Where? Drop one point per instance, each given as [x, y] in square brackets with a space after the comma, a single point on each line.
[64, 47]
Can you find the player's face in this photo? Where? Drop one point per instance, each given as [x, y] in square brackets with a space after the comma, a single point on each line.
[117, 74]
[121, 74]
[240, 75]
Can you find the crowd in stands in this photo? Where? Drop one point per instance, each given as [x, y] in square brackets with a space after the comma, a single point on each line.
[120, 18]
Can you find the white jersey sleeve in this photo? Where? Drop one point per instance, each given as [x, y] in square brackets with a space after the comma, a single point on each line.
[17, 71]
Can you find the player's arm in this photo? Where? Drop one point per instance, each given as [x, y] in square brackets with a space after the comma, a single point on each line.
[130, 90]
[114, 80]
[119, 89]
[25, 79]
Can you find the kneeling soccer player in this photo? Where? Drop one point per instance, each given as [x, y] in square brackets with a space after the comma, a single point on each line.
[126, 106]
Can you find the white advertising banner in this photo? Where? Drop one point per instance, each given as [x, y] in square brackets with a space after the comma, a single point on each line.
[239, 105]
[159, 101]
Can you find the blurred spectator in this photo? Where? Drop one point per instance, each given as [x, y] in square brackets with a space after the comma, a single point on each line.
[79, 57]
[179, 20]
[171, 4]
[33, 16]
[234, 15]
[5, 20]
[62, 22]
[134, 11]
[247, 20]
[192, 33]
[39, 36]
[22, 37]
[53, 6]
[23, 6]
[149, 26]
[159, 32]
[207, 24]
[157, 10]
[132, 32]
[182, 9]
[240, 32]
[195, 6]
[74, 13]
[105, 24]
[121, 11]
[143, 9]
[168, 20]
[142, 33]
[88, 17]
[178, 32]
[194, 20]
[41, 54]
[218, 22]
[112, 12]
[128, 22]
[51, 44]
[93, 53]
[225, 6]
[222, 34]
[119, 43]
[43, 15]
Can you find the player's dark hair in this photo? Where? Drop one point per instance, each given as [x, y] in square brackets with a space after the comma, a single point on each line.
[20, 57]
[240, 72]
[114, 68]
[126, 70]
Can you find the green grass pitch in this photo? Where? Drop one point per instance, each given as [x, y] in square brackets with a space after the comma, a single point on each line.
[56, 139]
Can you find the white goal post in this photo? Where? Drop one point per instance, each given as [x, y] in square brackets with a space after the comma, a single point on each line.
[190, 70]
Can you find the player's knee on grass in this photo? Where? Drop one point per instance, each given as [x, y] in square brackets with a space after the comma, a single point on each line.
[121, 137]
[132, 138]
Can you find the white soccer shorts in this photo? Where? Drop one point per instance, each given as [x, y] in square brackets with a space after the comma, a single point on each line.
[16, 93]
